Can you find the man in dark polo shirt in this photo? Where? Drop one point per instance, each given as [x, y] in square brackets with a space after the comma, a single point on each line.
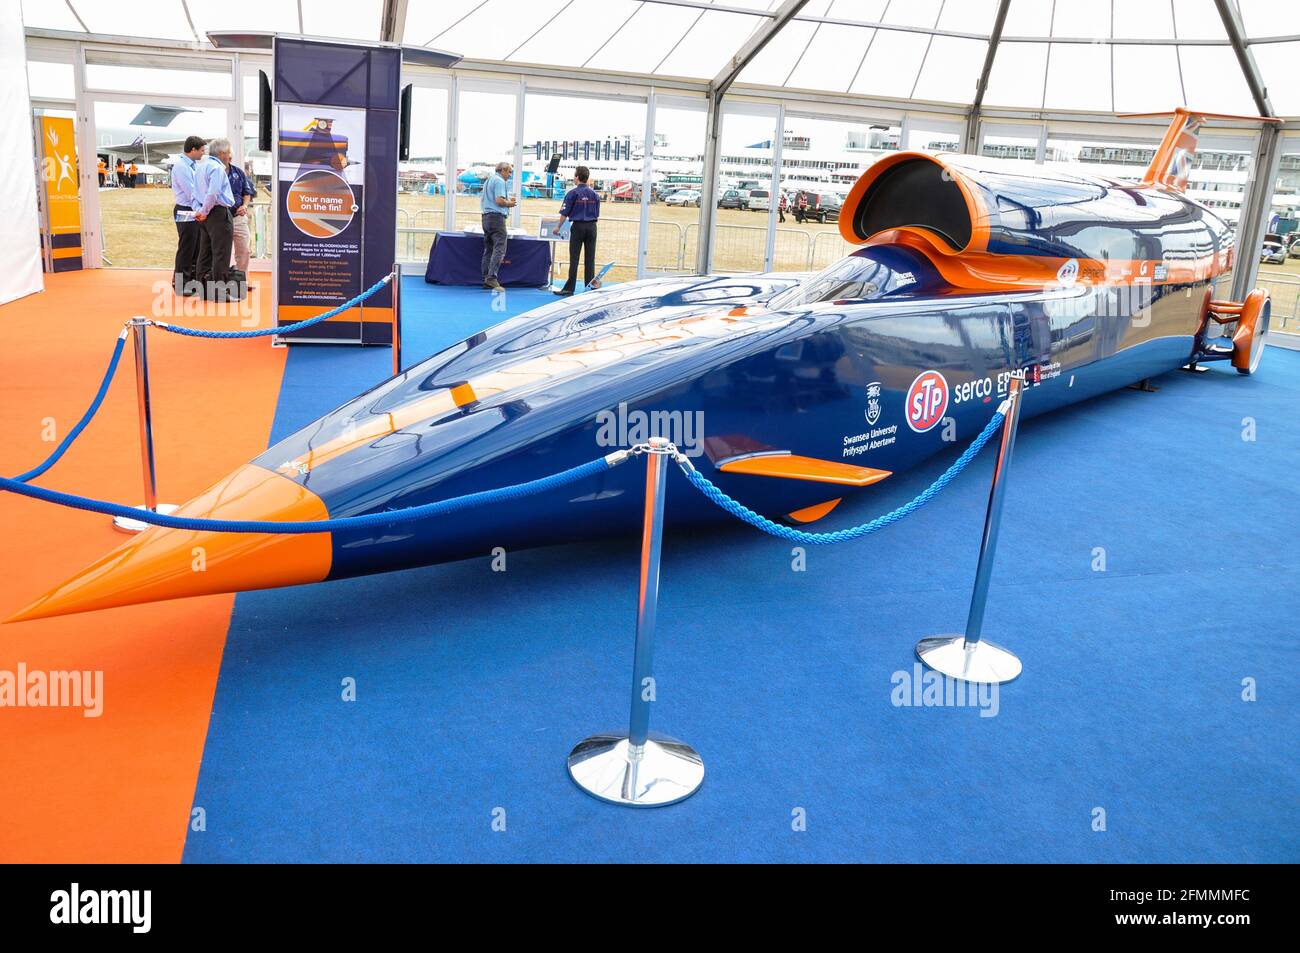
[582, 208]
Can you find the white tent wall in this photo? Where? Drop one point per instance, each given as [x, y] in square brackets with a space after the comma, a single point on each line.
[19, 219]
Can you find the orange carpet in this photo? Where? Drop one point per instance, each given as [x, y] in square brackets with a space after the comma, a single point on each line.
[118, 787]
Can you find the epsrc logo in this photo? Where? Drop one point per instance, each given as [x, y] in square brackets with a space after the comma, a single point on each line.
[927, 399]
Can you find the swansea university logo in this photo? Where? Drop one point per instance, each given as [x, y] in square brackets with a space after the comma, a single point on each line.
[873, 402]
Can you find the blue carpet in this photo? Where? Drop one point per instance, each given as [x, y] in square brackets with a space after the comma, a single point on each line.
[472, 686]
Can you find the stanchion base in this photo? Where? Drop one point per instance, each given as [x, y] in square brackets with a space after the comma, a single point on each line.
[124, 524]
[982, 662]
[667, 772]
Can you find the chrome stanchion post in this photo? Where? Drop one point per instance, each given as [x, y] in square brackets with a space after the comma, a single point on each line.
[125, 524]
[638, 768]
[966, 657]
[397, 320]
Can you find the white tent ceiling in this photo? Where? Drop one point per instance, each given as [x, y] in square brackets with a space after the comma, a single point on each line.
[1065, 55]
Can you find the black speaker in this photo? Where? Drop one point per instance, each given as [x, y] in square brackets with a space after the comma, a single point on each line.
[404, 126]
[554, 165]
[264, 106]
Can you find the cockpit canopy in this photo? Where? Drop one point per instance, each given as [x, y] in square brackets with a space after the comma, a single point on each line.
[866, 274]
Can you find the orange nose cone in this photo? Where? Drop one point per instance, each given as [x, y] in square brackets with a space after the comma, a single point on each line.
[165, 563]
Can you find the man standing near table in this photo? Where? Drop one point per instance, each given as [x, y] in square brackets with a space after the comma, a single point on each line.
[582, 208]
[496, 201]
[187, 230]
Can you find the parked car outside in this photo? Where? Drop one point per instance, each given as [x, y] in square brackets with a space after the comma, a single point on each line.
[732, 198]
[760, 200]
[1272, 253]
[684, 197]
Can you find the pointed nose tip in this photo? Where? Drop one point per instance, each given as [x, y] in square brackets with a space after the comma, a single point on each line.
[165, 563]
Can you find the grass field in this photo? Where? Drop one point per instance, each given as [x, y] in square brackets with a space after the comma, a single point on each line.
[138, 234]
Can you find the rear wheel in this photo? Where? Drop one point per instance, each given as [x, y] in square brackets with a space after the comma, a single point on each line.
[1251, 336]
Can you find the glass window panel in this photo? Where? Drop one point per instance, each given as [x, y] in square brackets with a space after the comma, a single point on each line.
[1277, 65]
[354, 20]
[1019, 146]
[832, 58]
[922, 138]
[611, 143]
[1078, 77]
[1029, 18]
[425, 20]
[163, 21]
[1147, 79]
[560, 44]
[707, 46]
[1264, 18]
[913, 13]
[951, 70]
[492, 33]
[422, 180]
[1142, 19]
[892, 64]
[740, 237]
[50, 80]
[172, 76]
[1213, 80]
[969, 16]
[1017, 75]
[1082, 18]
[645, 40]
[1198, 20]
[485, 136]
[672, 239]
[821, 157]
[1121, 160]
[773, 64]
[1285, 220]
[137, 222]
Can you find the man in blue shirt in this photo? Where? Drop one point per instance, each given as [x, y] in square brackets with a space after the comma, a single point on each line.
[495, 202]
[581, 207]
[214, 204]
[187, 232]
[242, 187]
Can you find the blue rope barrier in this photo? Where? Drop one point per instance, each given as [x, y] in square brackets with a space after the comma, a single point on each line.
[742, 512]
[285, 329]
[388, 518]
[89, 415]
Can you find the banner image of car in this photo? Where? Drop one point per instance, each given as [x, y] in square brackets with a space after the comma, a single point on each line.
[321, 174]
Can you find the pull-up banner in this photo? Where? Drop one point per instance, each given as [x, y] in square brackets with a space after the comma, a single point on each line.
[335, 186]
[60, 197]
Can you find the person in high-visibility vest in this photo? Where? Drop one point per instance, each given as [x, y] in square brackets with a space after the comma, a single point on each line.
[130, 176]
[120, 169]
[103, 172]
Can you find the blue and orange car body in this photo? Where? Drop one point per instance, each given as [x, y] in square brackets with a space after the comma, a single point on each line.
[804, 388]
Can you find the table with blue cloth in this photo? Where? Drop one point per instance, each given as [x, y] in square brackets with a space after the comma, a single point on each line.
[456, 258]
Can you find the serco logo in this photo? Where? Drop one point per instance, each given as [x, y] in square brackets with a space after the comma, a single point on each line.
[927, 399]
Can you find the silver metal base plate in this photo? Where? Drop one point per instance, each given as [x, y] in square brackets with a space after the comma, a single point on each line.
[666, 772]
[124, 524]
[981, 662]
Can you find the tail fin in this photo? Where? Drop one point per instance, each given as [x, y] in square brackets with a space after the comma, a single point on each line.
[1173, 160]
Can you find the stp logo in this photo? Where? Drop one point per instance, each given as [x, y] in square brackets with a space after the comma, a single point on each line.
[927, 399]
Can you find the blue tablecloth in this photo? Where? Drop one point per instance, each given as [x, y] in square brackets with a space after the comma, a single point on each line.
[456, 259]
